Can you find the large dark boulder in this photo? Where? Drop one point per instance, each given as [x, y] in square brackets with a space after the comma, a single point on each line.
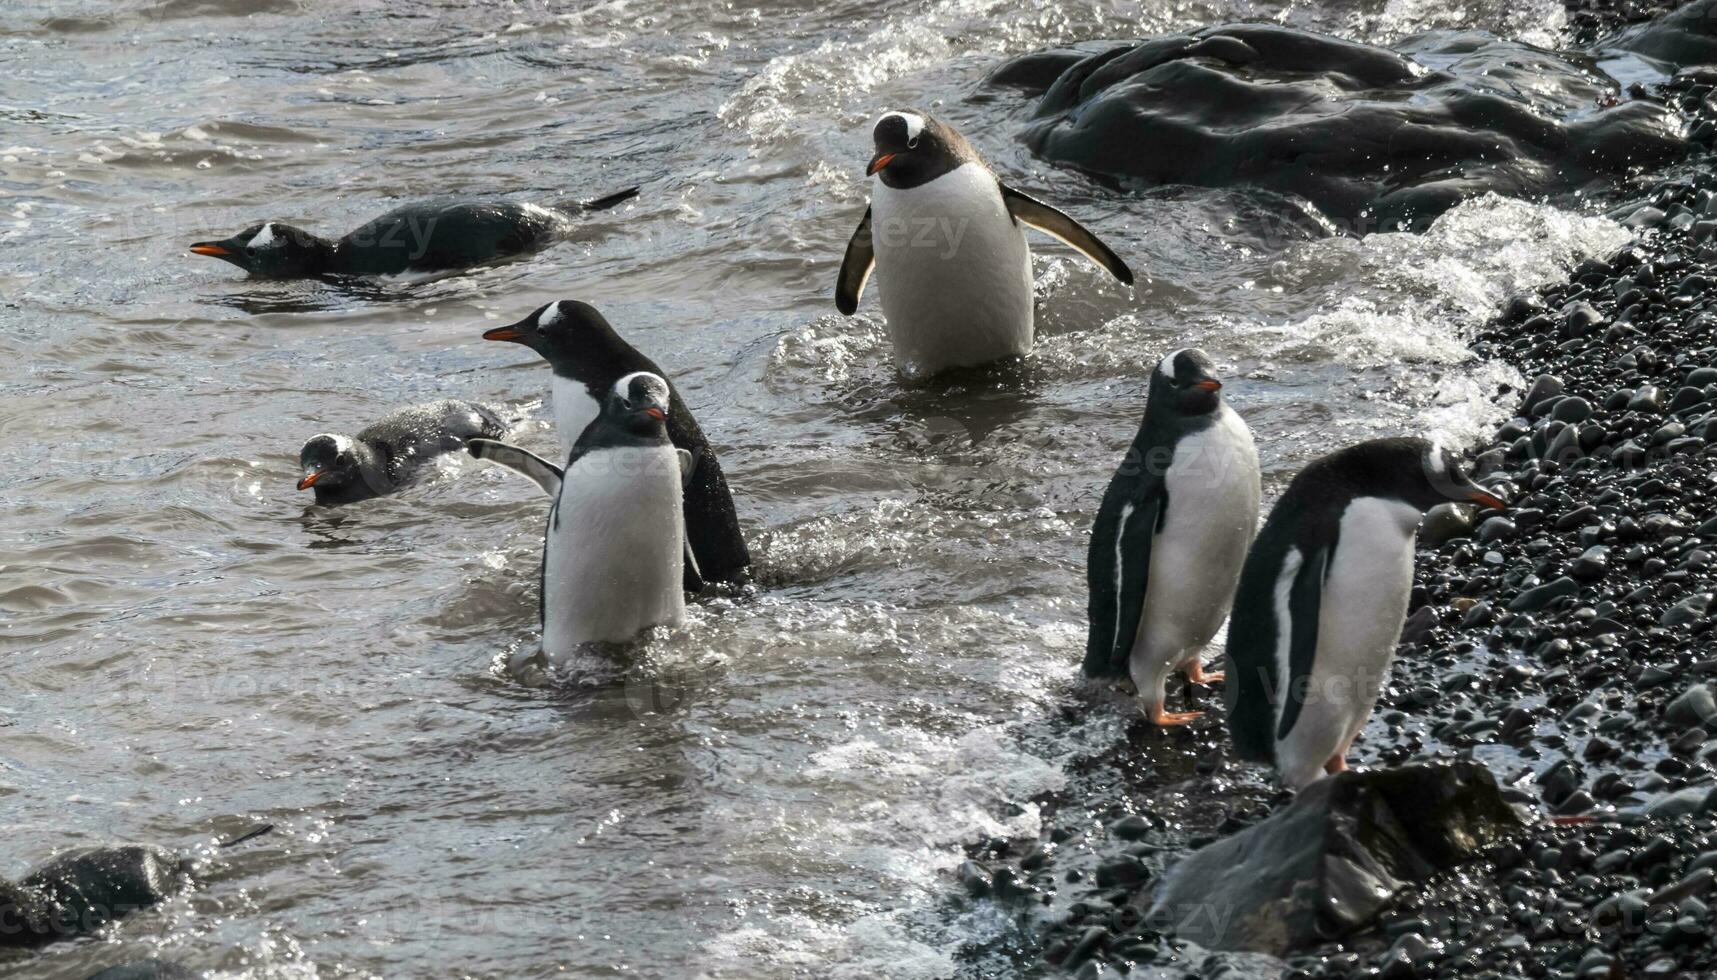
[1374, 138]
[1684, 38]
[1327, 863]
[82, 890]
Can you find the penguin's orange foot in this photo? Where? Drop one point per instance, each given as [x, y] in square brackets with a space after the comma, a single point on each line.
[1337, 763]
[1170, 719]
[1196, 673]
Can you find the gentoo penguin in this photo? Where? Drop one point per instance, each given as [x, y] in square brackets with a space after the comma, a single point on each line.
[391, 453]
[587, 357]
[1322, 598]
[426, 237]
[614, 550]
[946, 238]
[1171, 535]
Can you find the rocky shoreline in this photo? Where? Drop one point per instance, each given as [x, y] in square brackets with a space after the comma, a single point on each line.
[1567, 646]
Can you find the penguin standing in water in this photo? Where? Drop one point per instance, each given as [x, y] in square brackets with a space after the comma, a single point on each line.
[392, 453]
[947, 240]
[1322, 598]
[1171, 535]
[414, 238]
[614, 551]
[587, 357]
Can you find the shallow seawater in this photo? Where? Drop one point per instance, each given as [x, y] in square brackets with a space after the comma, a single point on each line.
[781, 787]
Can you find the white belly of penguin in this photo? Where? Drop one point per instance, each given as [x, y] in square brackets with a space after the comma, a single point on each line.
[614, 550]
[1364, 602]
[573, 408]
[1213, 489]
[953, 272]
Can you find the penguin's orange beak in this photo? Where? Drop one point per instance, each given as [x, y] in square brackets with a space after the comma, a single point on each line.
[1208, 384]
[210, 248]
[503, 333]
[878, 162]
[1484, 499]
[310, 479]
[656, 413]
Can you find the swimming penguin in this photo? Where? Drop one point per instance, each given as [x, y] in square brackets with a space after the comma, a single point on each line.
[426, 237]
[587, 357]
[614, 551]
[1322, 598]
[391, 453]
[945, 237]
[1171, 535]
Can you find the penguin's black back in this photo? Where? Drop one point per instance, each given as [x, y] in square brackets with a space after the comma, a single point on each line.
[712, 526]
[411, 437]
[1307, 518]
[432, 237]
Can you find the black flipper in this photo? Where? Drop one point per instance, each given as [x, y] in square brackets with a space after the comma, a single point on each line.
[1305, 602]
[540, 471]
[604, 203]
[855, 268]
[1114, 626]
[1031, 211]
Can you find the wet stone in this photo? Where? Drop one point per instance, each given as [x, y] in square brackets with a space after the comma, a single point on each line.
[1537, 598]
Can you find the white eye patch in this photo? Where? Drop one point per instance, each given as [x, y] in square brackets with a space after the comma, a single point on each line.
[652, 383]
[914, 124]
[1436, 463]
[264, 237]
[1165, 367]
[550, 315]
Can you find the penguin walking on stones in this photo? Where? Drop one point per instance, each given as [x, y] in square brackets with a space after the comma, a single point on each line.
[1322, 598]
[392, 453]
[1171, 535]
[428, 237]
[947, 240]
[587, 357]
[614, 550]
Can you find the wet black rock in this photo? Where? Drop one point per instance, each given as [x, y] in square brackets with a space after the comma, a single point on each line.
[1330, 861]
[976, 879]
[80, 891]
[1396, 143]
[1689, 610]
[1686, 37]
[1534, 599]
[1695, 706]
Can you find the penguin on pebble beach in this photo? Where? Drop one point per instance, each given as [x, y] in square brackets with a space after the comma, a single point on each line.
[1171, 535]
[393, 452]
[416, 238]
[946, 239]
[1322, 598]
[587, 357]
[614, 547]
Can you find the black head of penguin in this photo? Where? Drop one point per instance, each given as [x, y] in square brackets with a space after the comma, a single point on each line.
[638, 406]
[272, 250]
[1185, 381]
[1415, 471]
[913, 149]
[574, 338]
[330, 464]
